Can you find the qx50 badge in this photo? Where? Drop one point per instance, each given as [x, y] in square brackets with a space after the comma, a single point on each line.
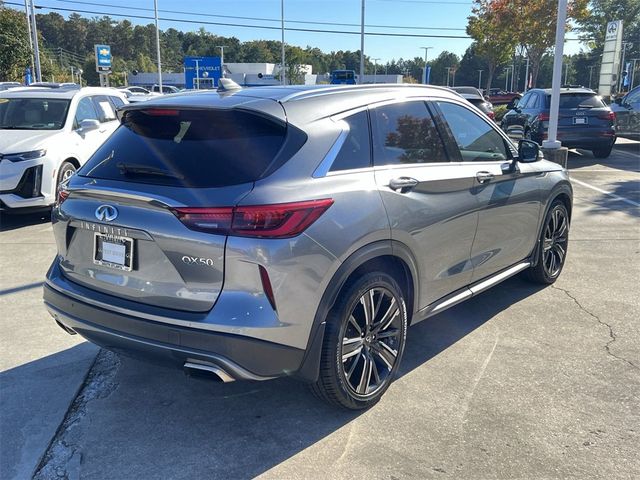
[106, 213]
[201, 261]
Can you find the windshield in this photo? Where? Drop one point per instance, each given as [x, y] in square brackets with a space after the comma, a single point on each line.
[33, 113]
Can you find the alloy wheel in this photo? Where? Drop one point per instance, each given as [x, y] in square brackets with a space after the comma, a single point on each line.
[554, 248]
[371, 342]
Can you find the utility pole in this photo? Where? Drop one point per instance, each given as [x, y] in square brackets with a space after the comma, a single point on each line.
[480, 79]
[26, 10]
[36, 49]
[375, 69]
[282, 60]
[526, 77]
[362, 45]
[552, 143]
[426, 49]
[221, 47]
[155, 9]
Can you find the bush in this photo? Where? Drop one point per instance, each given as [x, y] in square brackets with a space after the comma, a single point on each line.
[500, 110]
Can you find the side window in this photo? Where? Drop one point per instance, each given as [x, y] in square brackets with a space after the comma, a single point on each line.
[85, 111]
[633, 97]
[106, 112]
[117, 102]
[524, 101]
[534, 102]
[476, 139]
[356, 149]
[405, 133]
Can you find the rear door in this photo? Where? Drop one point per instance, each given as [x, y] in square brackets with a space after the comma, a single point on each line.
[429, 201]
[133, 224]
[508, 200]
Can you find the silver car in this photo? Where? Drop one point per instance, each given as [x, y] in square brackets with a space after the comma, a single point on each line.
[298, 231]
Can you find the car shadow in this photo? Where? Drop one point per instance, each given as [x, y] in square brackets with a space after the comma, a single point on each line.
[149, 418]
[10, 222]
[584, 158]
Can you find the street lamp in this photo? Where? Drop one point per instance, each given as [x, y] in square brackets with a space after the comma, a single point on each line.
[426, 50]
[375, 68]
[591, 67]
[506, 79]
[155, 10]
[362, 43]
[221, 47]
[282, 60]
[480, 78]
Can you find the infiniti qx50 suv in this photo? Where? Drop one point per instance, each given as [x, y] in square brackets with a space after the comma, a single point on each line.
[257, 233]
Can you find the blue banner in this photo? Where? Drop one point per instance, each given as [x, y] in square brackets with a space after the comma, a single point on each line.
[103, 58]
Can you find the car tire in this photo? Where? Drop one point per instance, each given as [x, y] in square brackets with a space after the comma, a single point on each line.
[67, 169]
[602, 152]
[364, 341]
[552, 246]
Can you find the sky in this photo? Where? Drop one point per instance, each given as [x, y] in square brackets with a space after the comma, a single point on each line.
[408, 17]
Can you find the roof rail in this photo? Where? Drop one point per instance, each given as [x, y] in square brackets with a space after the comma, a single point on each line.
[349, 88]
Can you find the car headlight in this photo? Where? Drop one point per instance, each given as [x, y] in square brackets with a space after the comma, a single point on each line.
[20, 157]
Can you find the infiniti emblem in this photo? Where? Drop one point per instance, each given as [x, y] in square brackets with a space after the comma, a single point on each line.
[106, 213]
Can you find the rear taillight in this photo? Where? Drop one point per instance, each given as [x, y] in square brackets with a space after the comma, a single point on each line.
[611, 116]
[543, 117]
[282, 220]
[491, 115]
[63, 194]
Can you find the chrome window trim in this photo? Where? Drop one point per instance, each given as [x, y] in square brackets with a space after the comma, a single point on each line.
[325, 165]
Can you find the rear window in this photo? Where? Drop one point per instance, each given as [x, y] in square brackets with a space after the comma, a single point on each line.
[191, 148]
[575, 100]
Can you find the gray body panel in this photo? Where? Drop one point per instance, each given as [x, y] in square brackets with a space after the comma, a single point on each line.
[455, 230]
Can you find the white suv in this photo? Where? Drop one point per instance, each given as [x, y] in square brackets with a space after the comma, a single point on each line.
[45, 135]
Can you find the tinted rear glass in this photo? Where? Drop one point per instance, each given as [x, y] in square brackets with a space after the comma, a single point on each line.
[191, 148]
[575, 100]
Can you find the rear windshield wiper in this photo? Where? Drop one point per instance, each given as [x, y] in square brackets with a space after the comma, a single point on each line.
[131, 168]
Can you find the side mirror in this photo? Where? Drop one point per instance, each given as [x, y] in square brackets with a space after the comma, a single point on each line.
[513, 104]
[88, 125]
[618, 101]
[528, 151]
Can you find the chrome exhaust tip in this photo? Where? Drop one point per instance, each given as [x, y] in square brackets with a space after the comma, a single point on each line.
[200, 367]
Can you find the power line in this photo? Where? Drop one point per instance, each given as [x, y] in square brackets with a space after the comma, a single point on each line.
[260, 19]
[243, 25]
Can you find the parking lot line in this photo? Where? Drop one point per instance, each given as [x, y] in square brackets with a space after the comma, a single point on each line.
[610, 194]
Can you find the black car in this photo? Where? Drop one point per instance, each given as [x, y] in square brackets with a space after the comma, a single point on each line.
[475, 97]
[627, 111]
[585, 121]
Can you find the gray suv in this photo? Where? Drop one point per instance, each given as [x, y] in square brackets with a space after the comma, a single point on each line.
[298, 231]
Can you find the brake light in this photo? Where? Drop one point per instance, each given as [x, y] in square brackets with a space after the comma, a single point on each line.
[62, 196]
[282, 220]
[611, 116]
[161, 112]
[491, 114]
[543, 117]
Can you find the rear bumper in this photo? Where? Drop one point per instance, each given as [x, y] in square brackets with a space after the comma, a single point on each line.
[240, 357]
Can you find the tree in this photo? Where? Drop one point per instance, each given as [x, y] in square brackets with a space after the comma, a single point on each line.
[14, 45]
[439, 68]
[493, 40]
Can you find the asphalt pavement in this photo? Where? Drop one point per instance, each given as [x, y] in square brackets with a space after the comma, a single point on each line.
[521, 382]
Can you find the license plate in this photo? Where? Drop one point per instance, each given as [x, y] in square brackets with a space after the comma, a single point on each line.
[580, 120]
[113, 251]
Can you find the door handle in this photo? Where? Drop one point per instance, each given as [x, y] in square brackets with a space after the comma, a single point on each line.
[484, 177]
[404, 184]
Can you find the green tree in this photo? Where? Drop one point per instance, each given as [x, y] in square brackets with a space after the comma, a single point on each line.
[14, 45]
[446, 60]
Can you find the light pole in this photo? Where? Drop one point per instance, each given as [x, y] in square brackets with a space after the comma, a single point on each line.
[282, 59]
[506, 79]
[480, 79]
[375, 69]
[362, 44]
[591, 67]
[566, 72]
[426, 50]
[526, 77]
[155, 10]
[453, 76]
[221, 47]
[552, 143]
[197, 74]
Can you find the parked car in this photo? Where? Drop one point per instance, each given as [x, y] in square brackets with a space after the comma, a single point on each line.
[476, 98]
[165, 89]
[63, 85]
[585, 121]
[8, 85]
[136, 89]
[298, 231]
[134, 97]
[45, 135]
[500, 97]
[627, 112]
